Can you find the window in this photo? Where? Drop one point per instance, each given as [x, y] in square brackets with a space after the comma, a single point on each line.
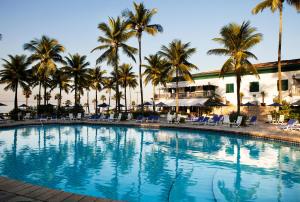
[284, 85]
[230, 88]
[254, 87]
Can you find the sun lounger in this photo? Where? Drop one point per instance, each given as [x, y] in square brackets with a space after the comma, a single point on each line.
[203, 121]
[290, 125]
[129, 116]
[118, 119]
[281, 119]
[79, 116]
[226, 120]
[238, 122]
[199, 119]
[252, 120]
[139, 119]
[170, 118]
[27, 116]
[156, 119]
[43, 118]
[270, 119]
[111, 118]
[214, 121]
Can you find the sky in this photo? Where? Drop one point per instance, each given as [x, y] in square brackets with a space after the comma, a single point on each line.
[74, 24]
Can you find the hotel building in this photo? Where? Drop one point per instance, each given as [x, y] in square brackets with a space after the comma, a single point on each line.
[254, 89]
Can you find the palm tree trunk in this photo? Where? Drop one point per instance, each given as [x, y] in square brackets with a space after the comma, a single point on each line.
[140, 70]
[130, 103]
[88, 101]
[238, 89]
[45, 94]
[153, 98]
[59, 99]
[39, 98]
[16, 99]
[96, 111]
[75, 83]
[177, 94]
[279, 54]
[109, 95]
[26, 100]
[125, 92]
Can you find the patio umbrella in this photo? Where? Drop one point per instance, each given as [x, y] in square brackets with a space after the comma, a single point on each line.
[147, 104]
[248, 104]
[1, 104]
[103, 105]
[161, 104]
[23, 106]
[275, 104]
[212, 103]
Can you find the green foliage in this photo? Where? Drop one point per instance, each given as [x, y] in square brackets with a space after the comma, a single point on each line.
[234, 115]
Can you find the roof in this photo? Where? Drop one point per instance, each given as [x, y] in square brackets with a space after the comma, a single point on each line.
[268, 67]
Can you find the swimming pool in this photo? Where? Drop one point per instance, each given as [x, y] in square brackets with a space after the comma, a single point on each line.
[137, 164]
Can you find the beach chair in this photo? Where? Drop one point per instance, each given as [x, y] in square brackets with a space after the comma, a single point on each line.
[270, 119]
[53, 118]
[290, 125]
[238, 122]
[197, 120]
[203, 121]
[226, 120]
[214, 121]
[111, 118]
[139, 119]
[150, 119]
[170, 118]
[118, 119]
[79, 116]
[129, 117]
[70, 117]
[156, 119]
[281, 119]
[252, 120]
[27, 116]
[43, 118]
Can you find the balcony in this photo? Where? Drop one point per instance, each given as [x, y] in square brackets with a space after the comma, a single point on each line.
[185, 95]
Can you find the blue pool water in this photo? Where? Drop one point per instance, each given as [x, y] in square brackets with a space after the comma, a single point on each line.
[137, 164]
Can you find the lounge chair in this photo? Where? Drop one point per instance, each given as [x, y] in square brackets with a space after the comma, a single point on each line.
[238, 122]
[270, 119]
[281, 119]
[226, 120]
[290, 125]
[139, 119]
[199, 119]
[43, 118]
[118, 119]
[53, 118]
[129, 116]
[252, 120]
[3, 120]
[170, 118]
[203, 121]
[94, 117]
[79, 116]
[150, 119]
[156, 119]
[214, 121]
[70, 117]
[111, 118]
[27, 116]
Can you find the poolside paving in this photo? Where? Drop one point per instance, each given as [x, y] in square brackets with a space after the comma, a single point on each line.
[16, 191]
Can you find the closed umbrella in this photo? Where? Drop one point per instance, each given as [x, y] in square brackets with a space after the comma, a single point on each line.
[1, 104]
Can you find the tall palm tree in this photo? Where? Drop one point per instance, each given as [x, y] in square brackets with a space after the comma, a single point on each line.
[156, 72]
[61, 80]
[139, 21]
[48, 97]
[77, 69]
[132, 84]
[15, 74]
[27, 93]
[115, 36]
[46, 52]
[237, 40]
[277, 5]
[38, 99]
[97, 79]
[126, 74]
[177, 55]
[109, 86]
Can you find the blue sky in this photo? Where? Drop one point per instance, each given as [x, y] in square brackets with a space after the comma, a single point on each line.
[74, 24]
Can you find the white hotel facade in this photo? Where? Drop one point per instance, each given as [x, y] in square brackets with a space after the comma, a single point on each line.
[207, 84]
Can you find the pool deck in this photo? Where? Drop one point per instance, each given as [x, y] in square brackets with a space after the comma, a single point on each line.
[17, 191]
[260, 130]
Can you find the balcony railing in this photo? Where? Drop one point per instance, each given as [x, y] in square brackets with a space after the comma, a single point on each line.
[185, 95]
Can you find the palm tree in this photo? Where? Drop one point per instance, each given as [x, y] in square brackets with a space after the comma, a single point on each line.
[77, 69]
[97, 79]
[61, 80]
[15, 74]
[46, 52]
[58, 97]
[126, 74]
[68, 103]
[237, 40]
[275, 5]
[156, 72]
[48, 97]
[132, 84]
[38, 99]
[114, 39]
[139, 21]
[27, 93]
[109, 86]
[176, 56]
